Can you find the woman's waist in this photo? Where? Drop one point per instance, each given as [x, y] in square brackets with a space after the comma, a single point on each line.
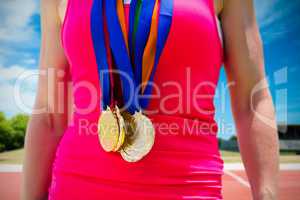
[172, 133]
[157, 168]
[175, 153]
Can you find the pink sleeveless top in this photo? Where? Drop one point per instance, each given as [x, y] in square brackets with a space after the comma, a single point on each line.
[185, 161]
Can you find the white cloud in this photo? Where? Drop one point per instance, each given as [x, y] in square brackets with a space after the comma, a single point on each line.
[9, 103]
[263, 10]
[29, 61]
[11, 73]
[15, 16]
[17, 32]
[26, 93]
[276, 18]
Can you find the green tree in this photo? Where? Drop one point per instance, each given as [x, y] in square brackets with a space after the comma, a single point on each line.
[12, 131]
[2, 116]
[6, 138]
[233, 138]
[18, 123]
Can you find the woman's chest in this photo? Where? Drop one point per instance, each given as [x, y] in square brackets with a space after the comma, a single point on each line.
[193, 41]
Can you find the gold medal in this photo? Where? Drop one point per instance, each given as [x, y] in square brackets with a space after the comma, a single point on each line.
[122, 129]
[129, 123]
[111, 130]
[131, 135]
[140, 141]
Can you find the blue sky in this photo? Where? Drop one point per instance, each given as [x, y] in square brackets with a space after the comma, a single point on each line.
[279, 25]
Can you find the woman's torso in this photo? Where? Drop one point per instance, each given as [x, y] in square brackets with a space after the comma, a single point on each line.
[185, 156]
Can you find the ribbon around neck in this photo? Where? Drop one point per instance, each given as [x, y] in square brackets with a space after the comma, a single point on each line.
[121, 57]
[97, 32]
[141, 36]
[164, 24]
[135, 54]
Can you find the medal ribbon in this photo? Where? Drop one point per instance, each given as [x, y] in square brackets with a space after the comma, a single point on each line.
[133, 15]
[135, 54]
[121, 56]
[164, 24]
[150, 49]
[97, 32]
[141, 36]
[121, 15]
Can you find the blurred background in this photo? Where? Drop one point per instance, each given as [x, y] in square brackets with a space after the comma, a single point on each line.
[279, 22]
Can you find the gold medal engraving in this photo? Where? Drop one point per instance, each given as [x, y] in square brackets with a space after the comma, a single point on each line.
[140, 141]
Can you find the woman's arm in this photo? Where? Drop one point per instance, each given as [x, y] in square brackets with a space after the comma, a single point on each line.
[244, 65]
[46, 128]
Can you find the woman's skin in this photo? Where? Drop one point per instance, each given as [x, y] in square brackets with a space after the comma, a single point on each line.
[244, 66]
[45, 130]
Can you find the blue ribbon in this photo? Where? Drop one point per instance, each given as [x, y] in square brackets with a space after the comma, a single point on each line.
[132, 13]
[121, 57]
[141, 37]
[119, 51]
[164, 25]
[97, 31]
